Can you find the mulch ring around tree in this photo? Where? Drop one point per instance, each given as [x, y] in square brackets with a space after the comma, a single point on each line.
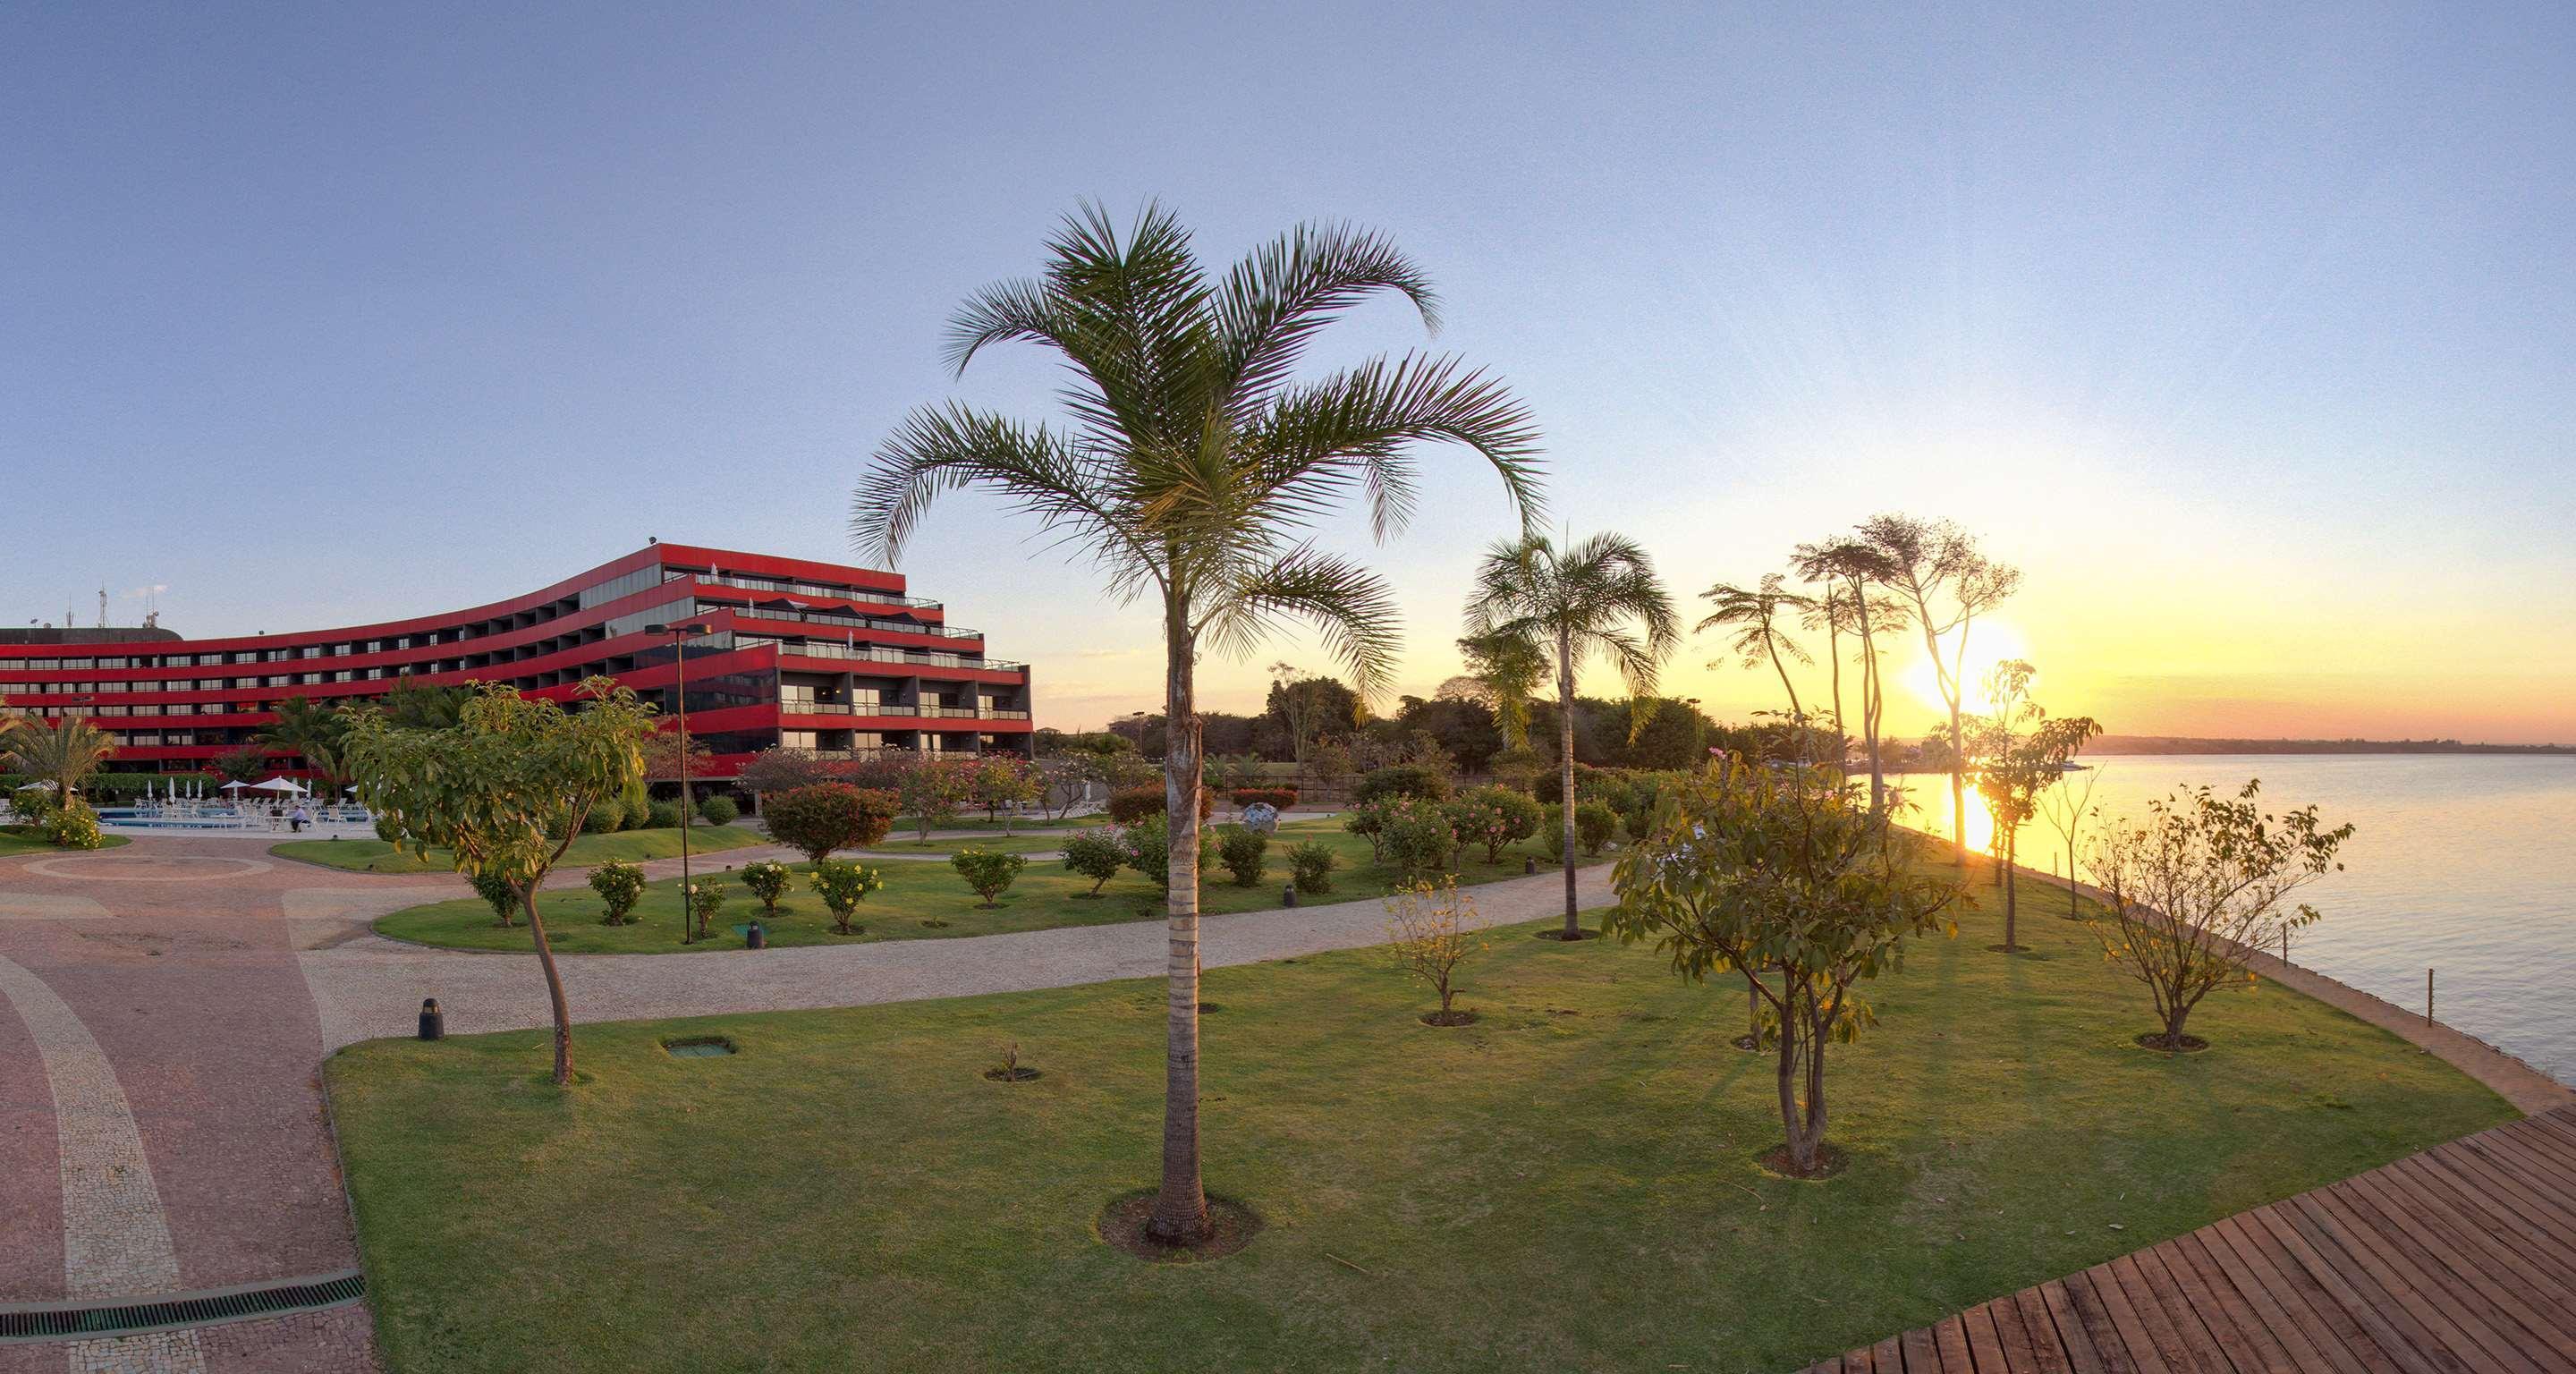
[1231, 1226]
[1746, 1043]
[2155, 1040]
[1829, 1162]
[1559, 934]
[1449, 1018]
[1021, 1074]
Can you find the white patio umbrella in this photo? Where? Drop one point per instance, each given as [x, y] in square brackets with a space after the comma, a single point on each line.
[277, 785]
[234, 786]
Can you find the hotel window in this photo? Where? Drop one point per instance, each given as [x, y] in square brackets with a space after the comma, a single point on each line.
[312, 651]
[796, 739]
[180, 661]
[112, 711]
[245, 656]
[112, 687]
[107, 663]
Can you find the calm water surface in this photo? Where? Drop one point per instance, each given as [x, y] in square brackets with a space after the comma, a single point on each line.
[2465, 865]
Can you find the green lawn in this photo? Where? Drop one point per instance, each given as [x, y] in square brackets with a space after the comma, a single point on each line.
[376, 856]
[902, 842]
[1565, 1185]
[916, 890]
[976, 821]
[12, 842]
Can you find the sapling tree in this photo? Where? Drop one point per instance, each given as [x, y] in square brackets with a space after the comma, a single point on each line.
[933, 790]
[767, 880]
[988, 873]
[620, 886]
[1430, 931]
[504, 791]
[2016, 764]
[2066, 807]
[1783, 877]
[2198, 886]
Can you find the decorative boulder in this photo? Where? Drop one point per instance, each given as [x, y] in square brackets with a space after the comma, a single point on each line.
[1261, 818]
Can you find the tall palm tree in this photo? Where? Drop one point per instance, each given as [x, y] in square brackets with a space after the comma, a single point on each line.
[1596, 598]
[1191, 466]
[64, 752]
[1759, 635]
[1851, 567]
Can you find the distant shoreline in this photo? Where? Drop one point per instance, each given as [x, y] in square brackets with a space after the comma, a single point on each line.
[2178, 744]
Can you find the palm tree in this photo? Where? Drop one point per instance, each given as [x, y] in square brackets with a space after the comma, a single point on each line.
[305, 727]
[1191, 466]
[1599, 597]
[1759, 635]
[64, 753]
[1851, 567]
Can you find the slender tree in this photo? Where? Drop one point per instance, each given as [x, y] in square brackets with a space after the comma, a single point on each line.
[504, 792]
[1191, 465]
[1598, 598]
[2015, 765]
[1850, 565]
[2066, 806]
[315, 732]
[1756, 614]
[1946, 582]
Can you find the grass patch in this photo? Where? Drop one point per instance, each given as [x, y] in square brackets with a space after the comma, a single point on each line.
[906, 824]
[1571, 1183]
[23, 840]
[376, 856]
[916, 891]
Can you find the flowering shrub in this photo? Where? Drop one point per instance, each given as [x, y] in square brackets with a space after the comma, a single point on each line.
[1095, 854]
[620, 886]
[767, 880]
[990, 874]
[1493, 817]
[1594, 824]
[706, 899]
[827, 816]
[1242, 851]
[842, 885]
[1419, 840]
[73, 826]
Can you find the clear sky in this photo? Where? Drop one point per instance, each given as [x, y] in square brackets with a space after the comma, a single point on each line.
[2250, 336]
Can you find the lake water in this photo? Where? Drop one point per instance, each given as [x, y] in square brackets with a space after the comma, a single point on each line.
[2462, 864]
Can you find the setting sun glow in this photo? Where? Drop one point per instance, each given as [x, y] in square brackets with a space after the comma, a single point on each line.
[1989, 642]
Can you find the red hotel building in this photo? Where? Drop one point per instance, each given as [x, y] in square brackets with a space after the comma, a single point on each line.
[814, 655]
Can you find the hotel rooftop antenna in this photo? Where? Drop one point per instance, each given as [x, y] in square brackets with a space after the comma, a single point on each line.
[102, 608]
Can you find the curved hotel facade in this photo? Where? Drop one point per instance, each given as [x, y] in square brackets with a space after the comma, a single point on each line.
[814, 655]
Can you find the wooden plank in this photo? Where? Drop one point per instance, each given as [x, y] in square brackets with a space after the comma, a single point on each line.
[1854, 1362]
[2543, 1169]
[2181, 1349]
[1984, 1346]
[2472, 1266]
[2432, 1334]
[2400, 1338]
[2203, 1344]
[2313, 1342]
[2499, 1189]
[1922, 1354]
[2526, 1226]
[2048, 1352]
[2244, 1337]
[2019, 1358]
[2120, 1325]
[2073, 1335]
[1952, 1339]
[1887, 1357]
[2434, 1292]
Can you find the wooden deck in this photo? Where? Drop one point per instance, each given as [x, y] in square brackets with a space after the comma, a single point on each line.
[2459, 1259]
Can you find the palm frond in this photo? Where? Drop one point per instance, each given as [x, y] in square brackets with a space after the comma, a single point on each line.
[1350, 606]
[941, 449]
[1319, 440]
[1282, 293]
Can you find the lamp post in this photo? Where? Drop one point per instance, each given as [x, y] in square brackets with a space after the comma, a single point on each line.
[680, 661]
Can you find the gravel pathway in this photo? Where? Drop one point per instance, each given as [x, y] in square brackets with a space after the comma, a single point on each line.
[365, 986]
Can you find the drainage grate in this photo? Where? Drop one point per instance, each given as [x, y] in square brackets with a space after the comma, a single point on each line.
[63, 1321]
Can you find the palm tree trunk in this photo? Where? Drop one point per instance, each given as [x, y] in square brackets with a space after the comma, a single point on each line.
[554, 985]
[1869, 700]
[1180, 1206]
[1565, 770]
[1797, 714]
[1834, 656]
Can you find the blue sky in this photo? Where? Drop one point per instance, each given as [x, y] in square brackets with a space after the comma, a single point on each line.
[2249, 336]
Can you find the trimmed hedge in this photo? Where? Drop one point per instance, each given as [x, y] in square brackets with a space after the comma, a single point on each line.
[1281, 798]
[1128, 805]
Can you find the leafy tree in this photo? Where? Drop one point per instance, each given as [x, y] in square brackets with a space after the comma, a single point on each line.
[816, 820]
[504, 791]
[1756, 614]
[1402, 780]
[245, 765]
[1430, 932]
[1192, 467]
[1095, 855]
[1463, 730]
[1945, 582]
[662, 760]
[1305, 711]
[1850, 567]
[1000, 781]
[1673, 735]
[934, 790]
[414, 705]
[1782, 877]
[2198, 886]
[988, 873]
[1599, 597]
[65, 751]
[774, 769]
[2014, 766]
